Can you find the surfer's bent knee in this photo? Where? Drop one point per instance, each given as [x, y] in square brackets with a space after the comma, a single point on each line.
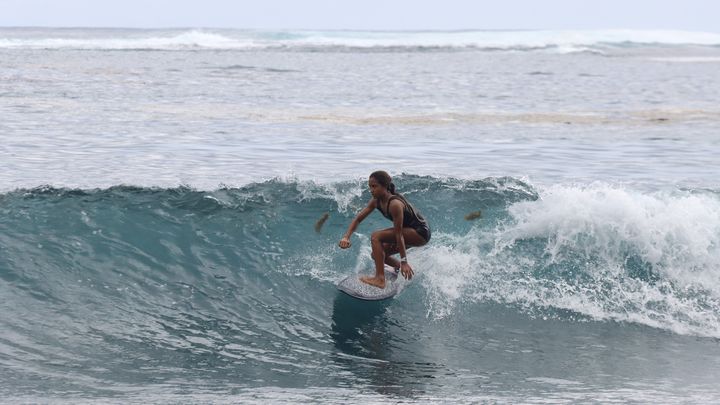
[375, 237]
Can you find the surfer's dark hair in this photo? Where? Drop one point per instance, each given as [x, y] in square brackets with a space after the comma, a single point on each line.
[384, 179]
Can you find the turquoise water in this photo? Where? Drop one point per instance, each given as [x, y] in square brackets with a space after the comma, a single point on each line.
[132, 293]
[160, 191]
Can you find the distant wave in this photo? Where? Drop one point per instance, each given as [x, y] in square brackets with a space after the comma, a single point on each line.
[198, 39]
[182, 41]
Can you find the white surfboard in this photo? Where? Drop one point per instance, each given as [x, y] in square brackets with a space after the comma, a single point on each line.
[355, 288]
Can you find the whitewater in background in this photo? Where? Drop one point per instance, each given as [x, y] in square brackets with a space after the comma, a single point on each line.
[160, 189]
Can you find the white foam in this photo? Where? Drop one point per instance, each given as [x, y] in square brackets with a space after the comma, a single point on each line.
[450, 263]
[678, 234]
[572, 250]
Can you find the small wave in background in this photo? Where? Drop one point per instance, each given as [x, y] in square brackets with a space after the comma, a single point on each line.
[599, 41]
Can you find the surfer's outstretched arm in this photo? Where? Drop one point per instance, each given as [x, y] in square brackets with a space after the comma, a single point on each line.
[345, 241]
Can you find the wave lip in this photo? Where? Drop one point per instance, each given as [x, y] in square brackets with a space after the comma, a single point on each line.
[197, 39]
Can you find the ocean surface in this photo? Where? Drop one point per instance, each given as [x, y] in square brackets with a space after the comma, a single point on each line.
[161, 197]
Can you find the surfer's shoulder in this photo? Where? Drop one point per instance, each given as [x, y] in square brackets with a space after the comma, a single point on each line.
[396, 202]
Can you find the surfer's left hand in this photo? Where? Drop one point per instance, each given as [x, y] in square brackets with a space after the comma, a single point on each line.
[344, 243]
[406, 271]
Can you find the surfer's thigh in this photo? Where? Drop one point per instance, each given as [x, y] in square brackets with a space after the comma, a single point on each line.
[412, 237]
[383, 236]
[387, 237]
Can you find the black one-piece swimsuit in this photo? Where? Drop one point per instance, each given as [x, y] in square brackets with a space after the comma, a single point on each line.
[412, 218]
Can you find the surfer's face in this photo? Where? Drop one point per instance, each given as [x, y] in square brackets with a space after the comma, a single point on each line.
[376, 189]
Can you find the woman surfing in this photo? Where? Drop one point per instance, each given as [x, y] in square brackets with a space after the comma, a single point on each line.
[409, 229]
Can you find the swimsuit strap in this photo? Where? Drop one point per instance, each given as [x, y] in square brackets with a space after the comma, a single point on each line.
[386, 211]
[411, 218]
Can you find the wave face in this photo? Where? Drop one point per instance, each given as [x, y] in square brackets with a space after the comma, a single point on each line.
[600, 41]
[596, 252]
[133, 284]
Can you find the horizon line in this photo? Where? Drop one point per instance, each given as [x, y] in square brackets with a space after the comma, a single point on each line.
[414, 30]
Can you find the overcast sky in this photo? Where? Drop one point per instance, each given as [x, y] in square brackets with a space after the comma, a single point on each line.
[694, 15]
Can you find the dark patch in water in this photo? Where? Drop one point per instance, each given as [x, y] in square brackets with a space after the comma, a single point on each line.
[258, 68]
[539, 73]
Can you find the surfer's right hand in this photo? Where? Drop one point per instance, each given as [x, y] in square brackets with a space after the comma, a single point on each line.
[344, 243]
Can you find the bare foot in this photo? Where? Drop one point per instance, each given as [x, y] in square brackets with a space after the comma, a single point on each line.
[378, 282]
